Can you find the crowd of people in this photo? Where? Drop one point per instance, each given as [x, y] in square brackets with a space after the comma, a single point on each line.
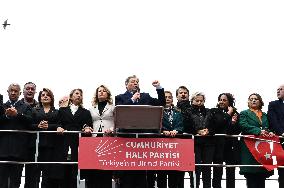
[189, 115]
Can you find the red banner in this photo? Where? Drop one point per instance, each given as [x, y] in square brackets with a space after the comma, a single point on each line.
[114, 153]
[266, 151]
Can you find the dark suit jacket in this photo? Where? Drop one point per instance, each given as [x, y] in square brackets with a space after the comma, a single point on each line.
[145, 99]
[67, 141]
[71, 122]
[276, 116]
[219, 120]
[14, 145]
[45, 139]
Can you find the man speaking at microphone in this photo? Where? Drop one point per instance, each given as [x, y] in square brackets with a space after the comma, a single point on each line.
[133, 96]
[138, 178]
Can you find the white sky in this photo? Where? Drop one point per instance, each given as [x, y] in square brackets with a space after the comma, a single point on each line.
[212, 46]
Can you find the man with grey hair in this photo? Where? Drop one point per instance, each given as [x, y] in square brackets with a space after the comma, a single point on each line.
[132, 96]
[276, 121]
[29, 92]
[16, 115]
[31, 178]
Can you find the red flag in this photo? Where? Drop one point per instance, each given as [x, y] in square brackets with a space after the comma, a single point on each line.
[266, 151]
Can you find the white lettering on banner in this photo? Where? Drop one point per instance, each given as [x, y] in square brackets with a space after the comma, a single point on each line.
[170, 163]
[161, 155]
[153, 155]
[152, 145]
[117, 163]
[141, 163]
[147, 163]
[136, 155]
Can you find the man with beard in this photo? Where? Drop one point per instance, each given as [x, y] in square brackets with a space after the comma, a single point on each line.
[182, 95]
[183, 104]
[14, 115]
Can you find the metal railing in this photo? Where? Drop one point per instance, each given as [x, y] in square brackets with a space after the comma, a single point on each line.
[137, 136]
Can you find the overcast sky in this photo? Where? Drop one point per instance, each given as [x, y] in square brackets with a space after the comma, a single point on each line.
[212, 46]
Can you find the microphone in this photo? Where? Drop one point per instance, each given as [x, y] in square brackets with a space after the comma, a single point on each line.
[136, 89]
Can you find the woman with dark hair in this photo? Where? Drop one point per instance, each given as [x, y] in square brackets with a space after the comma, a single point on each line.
[73, 118]
[232, 145]
[253, 122]
[222, 119]
[45, 118]
[102, 112]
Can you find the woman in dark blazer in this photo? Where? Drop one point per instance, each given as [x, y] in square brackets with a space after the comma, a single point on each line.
[45, 119]
[253, 122]
[73, 118]
[223, 119]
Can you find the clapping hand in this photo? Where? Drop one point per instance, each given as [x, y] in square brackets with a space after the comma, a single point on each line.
[12, 111]
[87, 129]
[43, 125]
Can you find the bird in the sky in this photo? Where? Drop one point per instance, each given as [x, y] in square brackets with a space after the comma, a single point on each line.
[5, 24]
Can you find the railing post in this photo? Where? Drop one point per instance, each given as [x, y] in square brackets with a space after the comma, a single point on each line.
[79, 176]
[194, 173]
[37, 142]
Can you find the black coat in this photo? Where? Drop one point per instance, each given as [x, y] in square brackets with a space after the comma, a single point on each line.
[183, 105]
[196, 119]
[71, 122]
[219, 120]
[67, 141]
[14, 145]
[46, 139]
[276, 116]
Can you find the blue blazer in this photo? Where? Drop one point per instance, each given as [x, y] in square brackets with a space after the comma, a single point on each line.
[145, 99]
[276, 116]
